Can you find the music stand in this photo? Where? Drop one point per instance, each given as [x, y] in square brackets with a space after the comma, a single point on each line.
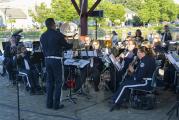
[69, 96]
[115, 62]
[78, 64]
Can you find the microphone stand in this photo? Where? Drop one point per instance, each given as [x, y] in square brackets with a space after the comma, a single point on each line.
[16, 75]
[17, 86]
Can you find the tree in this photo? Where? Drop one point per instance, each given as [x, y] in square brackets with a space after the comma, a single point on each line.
[112, 11]
[177, 11]
[136, 21]
[134, 5]
[64, 11]
[150, 12]
[168, 10]
[41, 14]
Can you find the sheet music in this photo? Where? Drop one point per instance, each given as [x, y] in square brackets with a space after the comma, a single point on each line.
[68, 54]
[177, 64]
[115, 62]
[170, 58]
[89, 53]
[80, 63]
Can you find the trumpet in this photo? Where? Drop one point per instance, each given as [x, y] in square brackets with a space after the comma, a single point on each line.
[127, 71]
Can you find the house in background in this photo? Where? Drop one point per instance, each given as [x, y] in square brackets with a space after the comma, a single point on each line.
[14, 13]
[129, 14]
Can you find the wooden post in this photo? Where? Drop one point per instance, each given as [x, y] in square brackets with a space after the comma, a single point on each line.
[84, 17]
[83, 13]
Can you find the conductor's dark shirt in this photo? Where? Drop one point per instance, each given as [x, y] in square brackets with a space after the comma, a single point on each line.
[53, 43]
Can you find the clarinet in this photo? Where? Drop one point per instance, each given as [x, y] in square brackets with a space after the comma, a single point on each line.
[127, 71]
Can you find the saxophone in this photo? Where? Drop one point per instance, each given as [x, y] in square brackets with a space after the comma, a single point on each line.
[127, 71]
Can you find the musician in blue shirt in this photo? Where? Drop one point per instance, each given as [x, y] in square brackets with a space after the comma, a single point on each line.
[25, 65]
[145, 69]
[124, 59]
[53, 43]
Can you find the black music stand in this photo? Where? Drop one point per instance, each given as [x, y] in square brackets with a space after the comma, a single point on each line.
[115, 62]
[70, 95]
[175, 107]
[80, 63]
[117, 67]
[80, 91]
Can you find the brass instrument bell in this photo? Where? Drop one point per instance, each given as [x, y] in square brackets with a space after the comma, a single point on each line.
[108, 42]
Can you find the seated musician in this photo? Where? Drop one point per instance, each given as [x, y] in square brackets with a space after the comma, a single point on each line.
[157, 45]
[25, 66]
[145, 69]
[125, 59]
[138, 37]
[159, 50]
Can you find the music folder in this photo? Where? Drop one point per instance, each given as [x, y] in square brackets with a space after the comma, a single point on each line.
[80, 63]
[117, 65]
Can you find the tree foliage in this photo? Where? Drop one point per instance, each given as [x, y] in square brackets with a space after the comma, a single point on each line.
[158, 11]
[133, 5]
[64, 10]
[42, 13]
[112, 11]
[150, 11]
[168, 10]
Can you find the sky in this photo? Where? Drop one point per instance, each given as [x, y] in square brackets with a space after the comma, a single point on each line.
[177, 1]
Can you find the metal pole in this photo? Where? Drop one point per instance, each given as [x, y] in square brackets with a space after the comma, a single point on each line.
[18, 102]
[96, 29]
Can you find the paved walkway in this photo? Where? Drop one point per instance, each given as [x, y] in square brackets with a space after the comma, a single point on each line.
[95, 108]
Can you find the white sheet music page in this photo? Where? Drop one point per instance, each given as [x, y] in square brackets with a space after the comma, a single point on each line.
[115, 62]
[77, 62]
[69, 62]
[170, 58]
[68, 54]
[89, 53]
[83, 63]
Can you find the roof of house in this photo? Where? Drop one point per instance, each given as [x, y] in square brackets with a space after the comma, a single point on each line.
[129, 11]
[13, 13]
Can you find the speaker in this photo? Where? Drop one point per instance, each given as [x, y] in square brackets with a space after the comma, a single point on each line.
[96, 13]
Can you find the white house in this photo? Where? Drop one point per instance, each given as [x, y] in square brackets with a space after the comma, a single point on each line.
[18, 11]
[129, 14]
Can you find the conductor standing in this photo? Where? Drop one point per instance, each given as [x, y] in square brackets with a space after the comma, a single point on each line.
[53, 43]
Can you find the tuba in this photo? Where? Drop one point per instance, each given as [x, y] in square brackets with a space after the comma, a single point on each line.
[69, 29]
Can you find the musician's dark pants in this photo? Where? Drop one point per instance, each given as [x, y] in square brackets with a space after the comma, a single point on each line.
[54, 82]
[33, 79]
[3, 70]
[123, 91]
[8, 63]
[96, 77]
